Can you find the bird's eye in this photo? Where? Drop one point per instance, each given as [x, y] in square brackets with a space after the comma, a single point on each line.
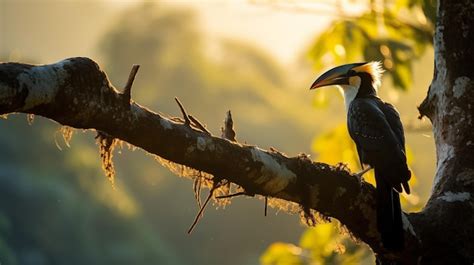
[351, 73]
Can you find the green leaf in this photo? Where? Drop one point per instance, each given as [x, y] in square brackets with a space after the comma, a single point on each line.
[401, 75]
[282, 254]
[429, 9]
[381, 37]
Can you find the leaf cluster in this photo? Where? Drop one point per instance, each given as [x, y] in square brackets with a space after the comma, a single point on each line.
[396, 35]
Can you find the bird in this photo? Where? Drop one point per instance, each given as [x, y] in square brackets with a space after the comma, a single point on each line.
[377, 131]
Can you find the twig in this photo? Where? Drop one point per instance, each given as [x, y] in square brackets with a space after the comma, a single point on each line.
[201, 211]
[183, 111]
[127, 92]
[198, 124]
[198, 216]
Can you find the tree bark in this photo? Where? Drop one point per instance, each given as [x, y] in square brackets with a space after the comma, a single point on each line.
[75, 92]
[447, 221]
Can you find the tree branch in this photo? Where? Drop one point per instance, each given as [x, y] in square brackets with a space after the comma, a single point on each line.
[75, 92]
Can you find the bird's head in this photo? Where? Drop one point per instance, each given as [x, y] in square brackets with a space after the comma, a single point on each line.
[353, 79]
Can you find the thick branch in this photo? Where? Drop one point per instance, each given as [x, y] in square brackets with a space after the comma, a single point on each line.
[76, 93]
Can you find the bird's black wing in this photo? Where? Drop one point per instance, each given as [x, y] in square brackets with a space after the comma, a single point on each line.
[393, 119]
[368, 125]
[377, 144]
[363, 123]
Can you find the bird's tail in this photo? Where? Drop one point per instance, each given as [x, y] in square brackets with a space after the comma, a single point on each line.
[389, 214]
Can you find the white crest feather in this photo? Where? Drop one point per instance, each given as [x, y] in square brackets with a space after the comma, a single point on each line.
[373, 68]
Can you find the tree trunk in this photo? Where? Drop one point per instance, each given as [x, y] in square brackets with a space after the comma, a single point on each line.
[76, 93]
[447, 222]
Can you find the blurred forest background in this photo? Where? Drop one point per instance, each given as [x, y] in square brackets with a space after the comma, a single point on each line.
[256, 58]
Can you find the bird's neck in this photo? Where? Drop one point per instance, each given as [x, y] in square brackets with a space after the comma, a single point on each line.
[352, 92]
[349, 93]
[366, 87]
[366, 90]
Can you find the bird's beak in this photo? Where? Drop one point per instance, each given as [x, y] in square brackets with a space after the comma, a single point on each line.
[335, 76]
[336, 80]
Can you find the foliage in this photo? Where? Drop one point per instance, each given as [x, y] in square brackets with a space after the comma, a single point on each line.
[322, 244]
[395, 34]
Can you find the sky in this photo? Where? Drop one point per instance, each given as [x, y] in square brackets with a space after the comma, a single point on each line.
[59, 28]
[283, 28]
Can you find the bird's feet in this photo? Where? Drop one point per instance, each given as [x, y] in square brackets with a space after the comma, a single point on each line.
[360, 174]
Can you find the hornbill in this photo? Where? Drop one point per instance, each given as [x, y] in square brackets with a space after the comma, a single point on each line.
[377, 131]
